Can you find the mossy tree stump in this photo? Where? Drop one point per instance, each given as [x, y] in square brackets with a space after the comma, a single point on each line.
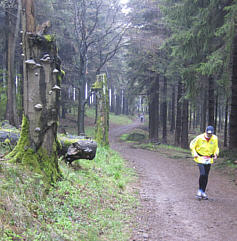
[102, 121]
[37, 146]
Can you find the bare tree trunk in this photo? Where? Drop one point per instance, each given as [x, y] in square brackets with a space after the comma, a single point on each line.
[153, 110]
[37, 146]
[178, 115]
[204, 112]
[102, 122]
[190, 118]
[164, 112]
[118, 104]
[220, 115]
[216, 112]
[211, 101]
[112, 107]
[13, 27]
[184, 133]
[81, 97]
[226, 122]
[233, 112]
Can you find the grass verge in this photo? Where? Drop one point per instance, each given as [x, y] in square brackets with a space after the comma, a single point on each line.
[115, 119]
[92, 202]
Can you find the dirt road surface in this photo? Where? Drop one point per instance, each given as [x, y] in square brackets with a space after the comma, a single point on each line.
[167, 188]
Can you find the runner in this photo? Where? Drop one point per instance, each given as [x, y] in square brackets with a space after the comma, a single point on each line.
[204, 150]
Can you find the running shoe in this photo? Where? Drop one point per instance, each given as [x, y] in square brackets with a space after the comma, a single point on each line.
[204, 196]
[199, 194]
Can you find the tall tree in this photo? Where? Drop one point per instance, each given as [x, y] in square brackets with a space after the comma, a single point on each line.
[233, 112]
[37, 146]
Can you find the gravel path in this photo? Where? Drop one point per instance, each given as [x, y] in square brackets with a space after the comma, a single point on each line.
[167, 188]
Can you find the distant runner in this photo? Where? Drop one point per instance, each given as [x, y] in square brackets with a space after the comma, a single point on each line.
[204, 150]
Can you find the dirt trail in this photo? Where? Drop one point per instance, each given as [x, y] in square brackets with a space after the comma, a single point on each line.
[167, 187]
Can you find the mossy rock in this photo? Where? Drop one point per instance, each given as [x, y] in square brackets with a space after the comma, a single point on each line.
[140, 137]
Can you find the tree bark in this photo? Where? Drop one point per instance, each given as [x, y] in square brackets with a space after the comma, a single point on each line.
[164, 112]
[118, 104]
[154, 110]
[178, 115]
[184, 133]
[211, 101]
[226, 122]
[172, 126]
[233, 106]
[112, 107]
[81, 96]
[38, 143]
[203, 111]
[13, 29]
[102, 121]
[216, 112]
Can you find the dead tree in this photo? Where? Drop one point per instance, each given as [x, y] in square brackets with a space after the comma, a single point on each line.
[38, 143]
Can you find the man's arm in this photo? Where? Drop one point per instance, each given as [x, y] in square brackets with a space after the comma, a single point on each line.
[216, 153]
[193, 144]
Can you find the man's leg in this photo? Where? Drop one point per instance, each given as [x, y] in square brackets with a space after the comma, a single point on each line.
[202, 178]
[205, 180]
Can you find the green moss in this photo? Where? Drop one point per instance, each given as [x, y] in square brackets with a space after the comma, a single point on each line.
[40, 162]
[10, 130]
[49, 37]
[22, 144]
[102, 125]
[97, 85]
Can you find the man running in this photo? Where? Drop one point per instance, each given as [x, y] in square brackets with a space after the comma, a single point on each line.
[204, 150]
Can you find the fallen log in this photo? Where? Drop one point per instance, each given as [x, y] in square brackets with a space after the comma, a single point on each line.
[77, 147]
[72, 147]
[82, 149]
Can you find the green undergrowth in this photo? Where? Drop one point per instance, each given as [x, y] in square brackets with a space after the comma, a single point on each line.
[228, 157]
[113, 119]
[119, 119]
[94, 201]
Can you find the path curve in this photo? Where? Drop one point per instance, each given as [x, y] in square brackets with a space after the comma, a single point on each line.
[167, 187]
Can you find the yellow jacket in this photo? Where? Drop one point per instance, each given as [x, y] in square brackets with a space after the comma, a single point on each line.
[204, 149]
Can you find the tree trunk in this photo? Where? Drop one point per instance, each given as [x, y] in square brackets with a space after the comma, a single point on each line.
[164, 112]
[211, 101]
[233, 112]
[102, 122]
[216, 112]
[203, 111]
[172, 126]
[194, 121]
[112, 107]
[190, 118]
[81, 96]
[198, 116]
[125, 104]
[226, 122]
[154, 110]
[118, 105]
[184, 133]
[220, 115]
[13, 29]
[64, 98]
[178, 115]
[38, 143]
[81, 111]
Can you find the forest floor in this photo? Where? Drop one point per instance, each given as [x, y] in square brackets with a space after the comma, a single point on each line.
[168, 209]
